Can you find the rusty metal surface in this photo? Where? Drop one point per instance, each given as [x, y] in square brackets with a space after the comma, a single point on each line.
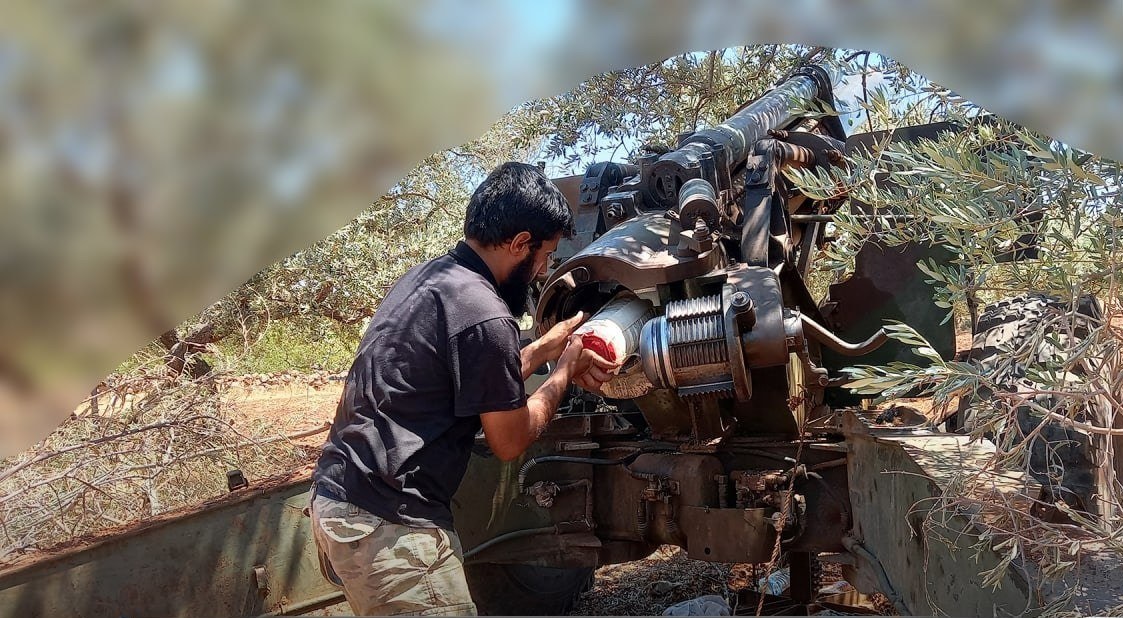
[251, 554]
[1095, 586]
[728, 535]
[723, 468]
[764, 345]
[488, 503]
[573, 550]
[570, 187]
[894, 475]
[687, 480]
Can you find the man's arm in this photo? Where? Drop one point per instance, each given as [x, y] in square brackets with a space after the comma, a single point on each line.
[510, 432]
[531, 357]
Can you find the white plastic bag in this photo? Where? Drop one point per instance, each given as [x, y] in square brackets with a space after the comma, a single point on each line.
[706, 605]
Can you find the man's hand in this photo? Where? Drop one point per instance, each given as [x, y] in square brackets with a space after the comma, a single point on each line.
[551, 345]
[589, 369]
[596, 376]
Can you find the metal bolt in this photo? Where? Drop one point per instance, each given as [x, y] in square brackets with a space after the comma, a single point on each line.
[740, 301]
[615, 210]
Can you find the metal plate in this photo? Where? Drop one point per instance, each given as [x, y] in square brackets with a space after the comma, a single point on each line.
[728, 535]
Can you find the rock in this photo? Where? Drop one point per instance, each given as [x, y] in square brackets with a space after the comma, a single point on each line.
[661, 588]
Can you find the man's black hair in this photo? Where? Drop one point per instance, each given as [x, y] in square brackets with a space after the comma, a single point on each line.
[516, 197]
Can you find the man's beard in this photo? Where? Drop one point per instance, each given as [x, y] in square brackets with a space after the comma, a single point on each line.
[515, 291]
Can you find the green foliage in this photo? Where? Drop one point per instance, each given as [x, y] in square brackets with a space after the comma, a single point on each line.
[990, 194]
[291, 344]
[982, 193]
[143, 359]
[977, 192]
[936, 377]
[344, 277]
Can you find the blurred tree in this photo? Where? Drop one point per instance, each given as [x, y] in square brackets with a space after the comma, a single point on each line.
[343, 277]
[611, 116]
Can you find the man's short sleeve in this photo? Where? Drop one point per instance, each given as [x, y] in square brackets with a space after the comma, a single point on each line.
[486, 368]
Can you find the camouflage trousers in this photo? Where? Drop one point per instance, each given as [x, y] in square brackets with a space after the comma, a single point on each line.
[388, 569]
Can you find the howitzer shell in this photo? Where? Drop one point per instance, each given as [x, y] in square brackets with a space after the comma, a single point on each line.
[614, 331]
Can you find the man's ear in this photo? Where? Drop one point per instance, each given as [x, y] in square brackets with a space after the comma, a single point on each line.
[520, 244]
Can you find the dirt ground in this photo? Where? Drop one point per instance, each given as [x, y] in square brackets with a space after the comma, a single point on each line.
[290, 407]
[649, 586]
[296, 403]
[300, 404]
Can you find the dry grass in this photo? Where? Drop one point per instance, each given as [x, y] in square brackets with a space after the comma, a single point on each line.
[142, 446]
[647, 587]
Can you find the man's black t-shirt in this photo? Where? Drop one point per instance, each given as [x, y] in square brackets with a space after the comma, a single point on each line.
[441, 349]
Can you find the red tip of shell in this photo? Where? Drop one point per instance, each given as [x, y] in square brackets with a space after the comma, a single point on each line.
[594, 342]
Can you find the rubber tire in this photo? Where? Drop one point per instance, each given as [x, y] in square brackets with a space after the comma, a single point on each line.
[1009, 325]
[526, 590]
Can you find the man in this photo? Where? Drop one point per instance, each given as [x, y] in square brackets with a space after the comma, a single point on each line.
[440, 360]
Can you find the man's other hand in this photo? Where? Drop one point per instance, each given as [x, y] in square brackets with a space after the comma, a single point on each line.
[555, 340]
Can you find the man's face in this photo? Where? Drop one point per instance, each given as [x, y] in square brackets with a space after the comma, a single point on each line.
[515, 290]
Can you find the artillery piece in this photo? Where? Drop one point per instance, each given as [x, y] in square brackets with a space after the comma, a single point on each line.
[728, 431]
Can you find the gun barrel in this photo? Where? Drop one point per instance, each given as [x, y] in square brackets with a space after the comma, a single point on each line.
[773, 110]
[712, 153]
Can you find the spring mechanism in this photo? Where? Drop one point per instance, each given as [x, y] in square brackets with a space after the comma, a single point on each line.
[693, 307]
[642, 517]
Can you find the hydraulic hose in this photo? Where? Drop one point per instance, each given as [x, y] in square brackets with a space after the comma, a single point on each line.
[565, 527]
[517, 534]
[816, 331]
